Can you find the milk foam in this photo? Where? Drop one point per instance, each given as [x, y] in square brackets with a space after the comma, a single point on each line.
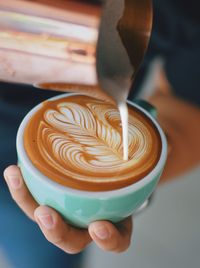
[85, 140]
[77, 141]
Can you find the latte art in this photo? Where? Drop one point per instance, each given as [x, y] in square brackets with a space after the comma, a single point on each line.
[77, 141]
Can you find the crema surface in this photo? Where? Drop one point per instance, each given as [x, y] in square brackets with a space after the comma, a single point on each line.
[76, 141]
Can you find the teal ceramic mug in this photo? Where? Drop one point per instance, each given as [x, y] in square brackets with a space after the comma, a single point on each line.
[83, 207]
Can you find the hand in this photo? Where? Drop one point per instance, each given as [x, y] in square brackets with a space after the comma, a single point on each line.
[109, 237]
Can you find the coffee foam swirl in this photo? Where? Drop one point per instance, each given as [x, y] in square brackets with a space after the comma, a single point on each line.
[79, 144]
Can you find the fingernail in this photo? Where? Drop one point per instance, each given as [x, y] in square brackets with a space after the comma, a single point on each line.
[14, 182]
[46, 220]
[102, 233]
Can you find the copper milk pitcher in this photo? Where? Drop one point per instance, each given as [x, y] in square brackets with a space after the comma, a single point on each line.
[66, 42]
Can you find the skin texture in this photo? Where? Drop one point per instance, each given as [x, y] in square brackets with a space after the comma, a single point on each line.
[179, 120]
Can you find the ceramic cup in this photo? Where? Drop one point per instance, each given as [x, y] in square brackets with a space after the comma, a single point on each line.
[78, 207]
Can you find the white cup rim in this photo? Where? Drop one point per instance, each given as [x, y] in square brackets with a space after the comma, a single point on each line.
[103, 194]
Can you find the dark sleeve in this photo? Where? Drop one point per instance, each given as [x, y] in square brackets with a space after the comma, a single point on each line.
[183, 73]
[176, 38]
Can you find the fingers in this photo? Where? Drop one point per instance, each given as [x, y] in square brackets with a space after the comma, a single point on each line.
[72, 240]
[112, 238]
[19, 191]
[62, 235]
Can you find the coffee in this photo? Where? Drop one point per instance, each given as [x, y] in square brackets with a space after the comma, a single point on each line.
[76, 141]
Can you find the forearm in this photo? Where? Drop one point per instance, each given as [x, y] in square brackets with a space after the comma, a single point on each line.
[181, 123]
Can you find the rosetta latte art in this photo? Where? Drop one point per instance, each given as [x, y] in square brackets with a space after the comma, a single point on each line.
[81, 141]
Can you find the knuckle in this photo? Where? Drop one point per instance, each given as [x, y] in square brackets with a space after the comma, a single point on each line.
[58, 239]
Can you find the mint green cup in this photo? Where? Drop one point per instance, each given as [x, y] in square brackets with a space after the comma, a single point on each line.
[80, 208]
